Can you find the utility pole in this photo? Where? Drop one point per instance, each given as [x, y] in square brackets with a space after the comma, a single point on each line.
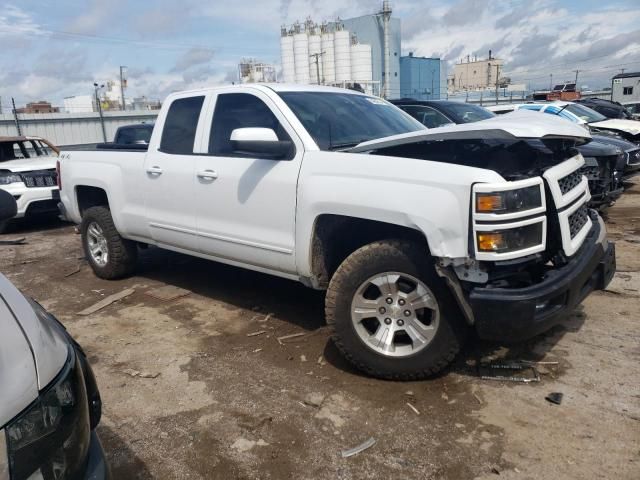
[497, 82]
[99, 105]
[577, 71]
[123, 82]
[316, 57]
[15, 117]
[550, 81]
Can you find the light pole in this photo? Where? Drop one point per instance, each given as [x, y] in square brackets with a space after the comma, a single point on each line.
[123, 82]
[96, 89]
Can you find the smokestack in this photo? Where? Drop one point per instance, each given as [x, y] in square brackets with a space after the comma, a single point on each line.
[489, 54]
[386, 16]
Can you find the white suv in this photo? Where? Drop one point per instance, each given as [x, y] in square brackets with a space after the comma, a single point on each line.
[28, 173]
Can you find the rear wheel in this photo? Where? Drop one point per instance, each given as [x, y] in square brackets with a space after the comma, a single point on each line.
[390, 313]
[109, 255]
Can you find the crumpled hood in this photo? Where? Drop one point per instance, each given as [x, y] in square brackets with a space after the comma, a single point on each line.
[629, 126]
[518, 124]
[29, 164]
[611, 139]
[32, 352]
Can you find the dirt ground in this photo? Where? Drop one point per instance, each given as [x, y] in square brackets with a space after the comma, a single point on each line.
[189, 392]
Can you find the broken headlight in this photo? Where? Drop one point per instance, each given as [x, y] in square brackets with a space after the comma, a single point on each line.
[509, 201]
[50, 439]
[509, 240]
[8, 178]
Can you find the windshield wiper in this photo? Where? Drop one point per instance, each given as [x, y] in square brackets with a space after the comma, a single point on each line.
[342, 146]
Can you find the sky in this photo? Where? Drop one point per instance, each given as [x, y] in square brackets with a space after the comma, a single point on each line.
[52, 49]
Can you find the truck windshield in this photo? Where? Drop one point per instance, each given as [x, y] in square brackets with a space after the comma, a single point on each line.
[343, 120]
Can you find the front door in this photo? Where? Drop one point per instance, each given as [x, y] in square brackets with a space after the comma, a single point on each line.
[246, 203]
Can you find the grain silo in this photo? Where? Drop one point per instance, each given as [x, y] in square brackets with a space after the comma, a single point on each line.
[286, 52]
[328, 66]
[342, 55]
[315, 56]
[361, 67]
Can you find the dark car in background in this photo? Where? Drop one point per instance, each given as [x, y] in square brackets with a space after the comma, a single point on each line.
[601, 159]
[130, 137]
[606, 107]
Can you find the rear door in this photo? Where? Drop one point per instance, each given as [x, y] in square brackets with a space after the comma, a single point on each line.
[169, 179]
[246, 203]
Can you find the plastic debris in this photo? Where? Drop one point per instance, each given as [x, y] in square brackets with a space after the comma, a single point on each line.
[417, 412]
[360, 448]
[554, 397]
[287, 337]
[17, 241]
[255, 334]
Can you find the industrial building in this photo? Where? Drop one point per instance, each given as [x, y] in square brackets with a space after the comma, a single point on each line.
[625, 87]
[421, 77]
[252, 71]
[361, 53]
[475, 74]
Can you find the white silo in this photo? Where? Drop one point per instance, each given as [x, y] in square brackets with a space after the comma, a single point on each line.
[301, 55]
[342, 55]
[315, 49]
[288, 61]
[328, 58]
[361, 63]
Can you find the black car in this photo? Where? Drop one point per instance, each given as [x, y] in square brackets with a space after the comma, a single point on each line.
[602, 158]
[130, 137]
[606, 107]
[628, 165]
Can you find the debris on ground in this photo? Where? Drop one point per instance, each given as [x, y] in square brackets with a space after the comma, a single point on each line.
[287, 337]
[266, 318]
[355, 450]
[17, 241]
[72, 272]
[137, 373]
[149, 374]
[131, 372]
[107, 301]
[517, 369]
[168, 293]
[417, 412]
[303, 358]
[314, 399]
[321, 361]
[255, 334]
[243, 445]
[554, 397]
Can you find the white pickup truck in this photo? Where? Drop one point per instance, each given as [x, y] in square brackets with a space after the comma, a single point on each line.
[417, 235]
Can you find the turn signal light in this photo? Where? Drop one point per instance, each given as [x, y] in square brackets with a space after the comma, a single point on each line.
[491, 242]
[489, 202]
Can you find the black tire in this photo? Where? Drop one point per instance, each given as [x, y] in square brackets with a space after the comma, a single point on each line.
[123, 253]
[397, 256]
[5, 226]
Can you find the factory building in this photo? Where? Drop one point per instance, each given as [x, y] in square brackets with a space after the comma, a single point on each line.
[353, 53]
[474, 74]
[252, 71]
[421, 77]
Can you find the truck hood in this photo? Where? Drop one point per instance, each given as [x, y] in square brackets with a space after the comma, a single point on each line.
[32, 352]
[29, 164]
[518, 124]
[631, 127]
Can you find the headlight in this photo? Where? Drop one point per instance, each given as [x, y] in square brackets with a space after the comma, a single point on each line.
[50, 439]
[7, 178]
[509, 240]
[509, 201]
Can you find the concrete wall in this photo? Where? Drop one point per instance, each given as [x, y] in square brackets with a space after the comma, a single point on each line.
[420, 78]
[619, 85]
[73, 128]
[369, 30]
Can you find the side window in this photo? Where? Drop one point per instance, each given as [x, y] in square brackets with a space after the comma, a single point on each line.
[180, 126]
[534, 108]
[240, 110]
[627, 90]
[429, 117]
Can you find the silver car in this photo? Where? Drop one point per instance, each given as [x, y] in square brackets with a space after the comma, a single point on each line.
[49, 401]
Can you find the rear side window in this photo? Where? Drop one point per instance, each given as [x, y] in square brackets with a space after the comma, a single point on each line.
[240, 110]
[179, 130]
[427, 116]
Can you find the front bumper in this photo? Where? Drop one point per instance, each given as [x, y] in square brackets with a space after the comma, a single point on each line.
[97, 467]
[33, 200]
[516, 314]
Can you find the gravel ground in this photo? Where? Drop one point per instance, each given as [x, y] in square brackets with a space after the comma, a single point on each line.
[200, 387]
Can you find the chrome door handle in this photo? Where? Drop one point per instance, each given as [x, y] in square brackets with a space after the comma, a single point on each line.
[207, 174]
[155, 170]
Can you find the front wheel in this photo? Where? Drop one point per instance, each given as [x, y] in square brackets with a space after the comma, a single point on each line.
[109, 255]
[391, 315]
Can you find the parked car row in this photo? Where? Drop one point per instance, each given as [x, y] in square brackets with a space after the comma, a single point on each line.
[609, 159]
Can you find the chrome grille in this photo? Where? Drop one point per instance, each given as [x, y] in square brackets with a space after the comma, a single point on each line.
[569, 182]
[42, 178]
[577, 220]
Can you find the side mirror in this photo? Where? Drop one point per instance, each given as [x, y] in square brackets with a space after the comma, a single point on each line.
[261, 143]
[8, 206]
